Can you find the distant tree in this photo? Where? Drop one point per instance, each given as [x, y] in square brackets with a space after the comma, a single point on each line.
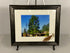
[45, 28]
[33, 25]
[24, 30]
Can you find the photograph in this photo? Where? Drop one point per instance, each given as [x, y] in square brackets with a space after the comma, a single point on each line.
[35, 25]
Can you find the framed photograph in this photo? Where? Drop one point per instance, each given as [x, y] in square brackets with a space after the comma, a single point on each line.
[35, 24]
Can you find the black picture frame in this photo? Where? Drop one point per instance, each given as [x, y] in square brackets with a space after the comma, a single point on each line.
[35, 7]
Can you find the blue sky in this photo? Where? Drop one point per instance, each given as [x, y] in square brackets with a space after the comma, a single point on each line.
[43, 20]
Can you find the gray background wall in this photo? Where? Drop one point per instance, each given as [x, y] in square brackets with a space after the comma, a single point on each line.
[5, 46]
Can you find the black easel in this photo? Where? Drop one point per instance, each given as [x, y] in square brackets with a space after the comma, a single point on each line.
[53, 47]
[18, 45]
[35, 2]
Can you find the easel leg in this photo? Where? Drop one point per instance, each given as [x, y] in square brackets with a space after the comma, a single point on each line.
[17, 48]
[53, 47]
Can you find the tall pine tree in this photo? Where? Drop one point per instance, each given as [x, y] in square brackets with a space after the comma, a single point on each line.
[33, 25]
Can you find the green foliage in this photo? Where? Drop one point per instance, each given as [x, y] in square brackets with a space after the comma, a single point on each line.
[47, 34]
[33, 25]
[45, 28]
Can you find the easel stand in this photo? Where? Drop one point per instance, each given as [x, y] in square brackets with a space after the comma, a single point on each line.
[35, 4]
[53, 47]
[17, 47]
